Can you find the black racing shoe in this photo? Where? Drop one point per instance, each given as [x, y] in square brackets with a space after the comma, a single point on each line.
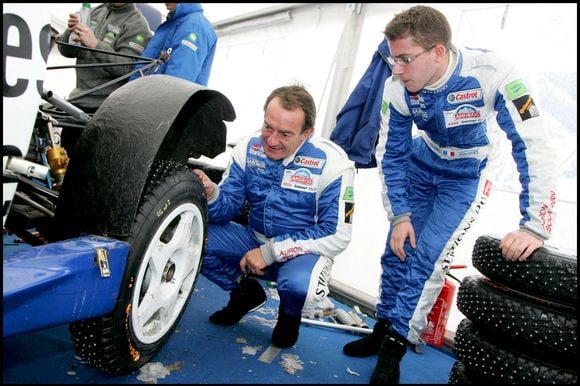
[387, 370]
[287, 328]
[370, 344]
[247, 297]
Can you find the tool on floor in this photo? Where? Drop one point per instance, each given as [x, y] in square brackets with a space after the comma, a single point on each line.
[337, 326]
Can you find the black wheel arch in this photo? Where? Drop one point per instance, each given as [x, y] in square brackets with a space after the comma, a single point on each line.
[152, 118]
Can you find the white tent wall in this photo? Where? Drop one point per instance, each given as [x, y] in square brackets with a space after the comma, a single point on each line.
[263, 46]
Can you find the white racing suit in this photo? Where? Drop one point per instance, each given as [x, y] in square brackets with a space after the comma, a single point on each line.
[437, 179]
[300, 216]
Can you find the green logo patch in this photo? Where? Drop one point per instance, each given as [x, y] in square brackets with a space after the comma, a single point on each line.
[384, 107]
[515, 89]
[139, 39]
[348, 194]
[192, 37]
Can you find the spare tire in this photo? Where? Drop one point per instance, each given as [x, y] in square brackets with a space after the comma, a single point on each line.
[545, 328]
[547, 273]
[490, 359]
[459, 375]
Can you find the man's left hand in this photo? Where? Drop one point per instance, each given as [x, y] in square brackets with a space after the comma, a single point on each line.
[518, 245]
[86, 36]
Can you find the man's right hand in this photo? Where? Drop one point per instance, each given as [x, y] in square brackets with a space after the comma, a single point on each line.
[400, 233]
[208, 185]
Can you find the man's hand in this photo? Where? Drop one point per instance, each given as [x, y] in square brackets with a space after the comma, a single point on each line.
[401, 232]
[73, 20]
[208, 185]
[518, 245]
[253, 262]
[85, 35]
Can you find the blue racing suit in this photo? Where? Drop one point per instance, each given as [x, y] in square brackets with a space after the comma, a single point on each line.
[301, 209]
[188, 41]
[438, 179]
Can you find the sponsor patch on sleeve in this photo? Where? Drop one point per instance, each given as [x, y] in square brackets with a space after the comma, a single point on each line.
[189, 44]
[348, 200]
[136, 46]
[384, 107]
[526, 107]
[348, 212]
[516, 89]
[348, 194]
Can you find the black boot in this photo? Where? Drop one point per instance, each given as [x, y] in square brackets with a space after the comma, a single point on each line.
[392, 349]
[370, 344]
[287, 328]
[248, 296]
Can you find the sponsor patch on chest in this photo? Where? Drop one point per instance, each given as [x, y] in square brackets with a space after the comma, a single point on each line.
[256, 163]
[310, 162]
[301, 179]
[257, 150]
[113, 29]
[463, 115]
[465, 96]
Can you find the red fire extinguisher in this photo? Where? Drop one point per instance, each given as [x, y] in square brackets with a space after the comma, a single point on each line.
[437, 319]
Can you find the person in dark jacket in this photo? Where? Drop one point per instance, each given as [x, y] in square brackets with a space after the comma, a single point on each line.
[115, 27]
[186, 43]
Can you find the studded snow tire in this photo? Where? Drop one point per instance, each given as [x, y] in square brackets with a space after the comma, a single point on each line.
[547, 273]
[490, 359]
[545, 328]
[167, 242]
[459, 376]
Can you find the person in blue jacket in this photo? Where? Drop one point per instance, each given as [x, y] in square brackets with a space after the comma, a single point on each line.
[185, 42]
[299, 188]
[435, 153]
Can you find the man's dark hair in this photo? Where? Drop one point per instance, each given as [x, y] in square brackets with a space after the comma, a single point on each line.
[295, 97]
[425, 25]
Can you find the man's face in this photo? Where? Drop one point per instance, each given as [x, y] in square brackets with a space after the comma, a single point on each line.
[282, 130]
[170, 6]
[421, 71]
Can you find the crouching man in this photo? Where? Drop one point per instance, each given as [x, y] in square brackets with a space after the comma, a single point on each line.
[300, 192]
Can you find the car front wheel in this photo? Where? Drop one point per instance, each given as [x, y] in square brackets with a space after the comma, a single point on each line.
[167, 245]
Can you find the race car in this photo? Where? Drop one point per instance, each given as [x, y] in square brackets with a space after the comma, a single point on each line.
[112, 231]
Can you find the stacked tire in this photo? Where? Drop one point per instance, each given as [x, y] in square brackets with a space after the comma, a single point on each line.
[520, 318]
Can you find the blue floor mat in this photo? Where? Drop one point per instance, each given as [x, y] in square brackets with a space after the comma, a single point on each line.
[200, 352]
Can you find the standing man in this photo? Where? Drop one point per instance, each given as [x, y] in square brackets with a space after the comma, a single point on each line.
[435, 183]
[300, 192]
[186, 43]
[115, 27]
